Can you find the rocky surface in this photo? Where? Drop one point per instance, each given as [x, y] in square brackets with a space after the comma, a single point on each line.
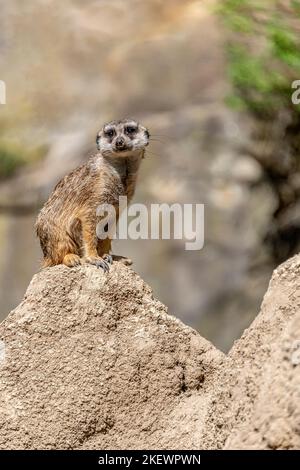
[90, 360]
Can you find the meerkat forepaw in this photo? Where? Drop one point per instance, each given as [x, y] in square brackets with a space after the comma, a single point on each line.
[99, 262]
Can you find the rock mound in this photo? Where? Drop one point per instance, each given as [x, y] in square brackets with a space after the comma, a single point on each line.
[90, 360]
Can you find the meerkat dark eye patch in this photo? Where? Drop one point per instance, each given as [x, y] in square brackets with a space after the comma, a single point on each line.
[130, 130]
[110, 132]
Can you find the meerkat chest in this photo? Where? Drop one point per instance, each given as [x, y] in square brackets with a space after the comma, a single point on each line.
[113, 185]
[123, 179]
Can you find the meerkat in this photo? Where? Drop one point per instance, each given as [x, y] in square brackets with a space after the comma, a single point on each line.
[66, 225]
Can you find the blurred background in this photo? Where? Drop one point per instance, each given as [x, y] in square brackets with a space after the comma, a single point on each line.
[212, 81]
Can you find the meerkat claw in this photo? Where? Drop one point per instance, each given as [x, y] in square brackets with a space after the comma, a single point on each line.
[103, 264]
[108, 258]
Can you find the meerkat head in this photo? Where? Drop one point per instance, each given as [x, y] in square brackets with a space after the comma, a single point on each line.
[122, 138]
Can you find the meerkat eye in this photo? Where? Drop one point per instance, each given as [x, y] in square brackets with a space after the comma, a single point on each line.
[130, 129]
[109, 132]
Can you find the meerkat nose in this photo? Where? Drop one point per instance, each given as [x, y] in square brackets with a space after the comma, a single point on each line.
[120, 142]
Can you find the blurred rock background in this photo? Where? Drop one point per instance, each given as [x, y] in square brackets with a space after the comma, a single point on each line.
[70, 66]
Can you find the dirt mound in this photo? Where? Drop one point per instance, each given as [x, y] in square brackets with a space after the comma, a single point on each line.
[90, 360]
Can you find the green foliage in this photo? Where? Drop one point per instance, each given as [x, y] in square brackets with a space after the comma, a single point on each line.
[263, 53]
[10, 160]
[13, 156]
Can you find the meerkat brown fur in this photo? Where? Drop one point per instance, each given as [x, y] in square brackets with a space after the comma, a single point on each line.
[66, 225]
